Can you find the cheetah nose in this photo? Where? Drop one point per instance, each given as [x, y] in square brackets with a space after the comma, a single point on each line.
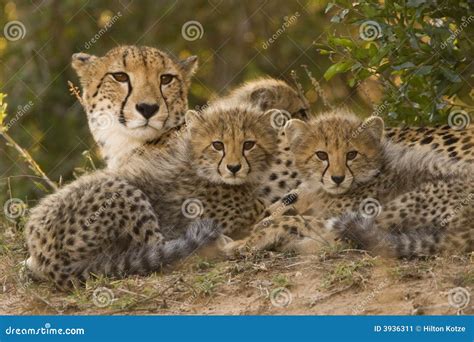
[234, 168]
[338, 179]
[147, 110]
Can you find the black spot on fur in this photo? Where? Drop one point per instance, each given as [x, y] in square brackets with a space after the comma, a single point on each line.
[426, 140]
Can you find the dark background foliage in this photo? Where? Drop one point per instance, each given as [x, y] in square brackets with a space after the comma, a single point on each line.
[234, 47]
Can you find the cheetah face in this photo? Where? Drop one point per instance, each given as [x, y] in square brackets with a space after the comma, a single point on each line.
[336, 152]
[137, 92]
[231, 145]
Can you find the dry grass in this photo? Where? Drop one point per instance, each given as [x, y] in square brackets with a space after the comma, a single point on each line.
[335, 281]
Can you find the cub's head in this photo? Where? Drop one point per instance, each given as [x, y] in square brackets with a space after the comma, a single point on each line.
[231, 144]
[337, 150]
[133, 92]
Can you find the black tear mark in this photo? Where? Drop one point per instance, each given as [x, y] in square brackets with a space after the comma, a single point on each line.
[166, 100]
[124, 102]
[245, 157]
[324, 172]
[220, 162]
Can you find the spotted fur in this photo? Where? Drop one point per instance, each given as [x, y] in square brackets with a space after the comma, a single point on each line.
[157, 208]
[271, 94]
[386, 197]
[282, 103]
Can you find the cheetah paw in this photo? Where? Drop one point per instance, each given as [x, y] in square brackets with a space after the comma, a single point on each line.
[234, 248]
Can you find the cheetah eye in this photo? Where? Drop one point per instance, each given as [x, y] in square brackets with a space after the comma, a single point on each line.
[166, 79]
[120, 76]
[218, 145]
[322, 155]
[351, 155]
[248, 145]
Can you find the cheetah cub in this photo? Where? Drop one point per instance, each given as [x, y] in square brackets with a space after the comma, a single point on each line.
[276, 96]
[158, 208]
[269, 93]
[133, 96]
[283, 103]
[385, 197]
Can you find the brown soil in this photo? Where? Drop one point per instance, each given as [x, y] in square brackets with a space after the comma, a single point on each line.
[333, 282]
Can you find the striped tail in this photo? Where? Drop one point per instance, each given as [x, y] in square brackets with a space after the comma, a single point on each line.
[365, 232]
[146, 259]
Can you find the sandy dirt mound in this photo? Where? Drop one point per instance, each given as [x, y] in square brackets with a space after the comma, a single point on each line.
[339, 281]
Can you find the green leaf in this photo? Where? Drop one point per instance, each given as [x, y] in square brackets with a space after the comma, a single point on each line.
[424, 70]
[342, 42]
[363, 74]
[337, 68]
[40, 186]
[451, 75]
[361, 53]
[3, 109]
[406, 65]
[415, 3]
[325, 52]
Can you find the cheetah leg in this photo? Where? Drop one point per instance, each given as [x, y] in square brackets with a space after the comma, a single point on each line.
[293, 203]
[303, 234]
[216, 248]
[144, 227]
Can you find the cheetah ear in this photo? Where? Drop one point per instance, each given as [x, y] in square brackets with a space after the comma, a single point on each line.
[190, 65]
[295, 130]
[192, 117]
[374, 125]
[81, 61]
[263, 98]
